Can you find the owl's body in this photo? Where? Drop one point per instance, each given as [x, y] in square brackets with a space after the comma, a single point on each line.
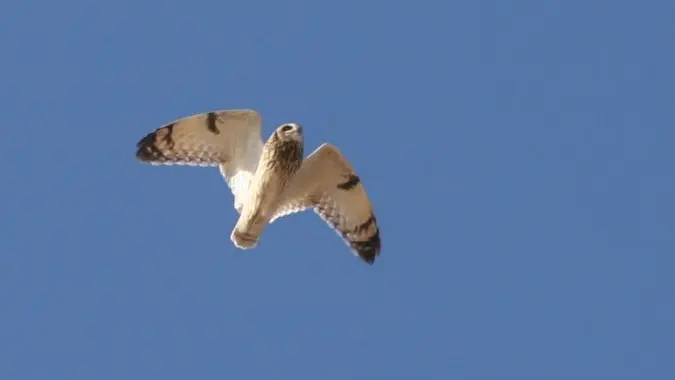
[280, 159]
[269, 180]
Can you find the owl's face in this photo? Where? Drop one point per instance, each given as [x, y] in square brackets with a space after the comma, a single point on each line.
[289, 132]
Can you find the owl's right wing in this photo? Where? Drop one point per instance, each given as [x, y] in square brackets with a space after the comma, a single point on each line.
[229, 139]
[327, 183]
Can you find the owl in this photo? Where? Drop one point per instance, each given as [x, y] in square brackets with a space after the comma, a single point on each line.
[269, 180]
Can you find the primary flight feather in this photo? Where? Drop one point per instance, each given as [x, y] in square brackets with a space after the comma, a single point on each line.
[269, 179]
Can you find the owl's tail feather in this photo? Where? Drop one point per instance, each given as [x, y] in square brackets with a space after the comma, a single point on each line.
[248, 229]
[243, 239]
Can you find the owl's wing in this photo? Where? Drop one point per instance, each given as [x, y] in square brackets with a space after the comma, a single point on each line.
[229, 139]
[327, 183]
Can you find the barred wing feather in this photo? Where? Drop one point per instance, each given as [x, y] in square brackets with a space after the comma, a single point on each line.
[327, 183]
[229, 139]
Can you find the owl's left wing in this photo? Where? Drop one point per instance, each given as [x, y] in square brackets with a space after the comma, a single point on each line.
[229, 139]
[327, 183]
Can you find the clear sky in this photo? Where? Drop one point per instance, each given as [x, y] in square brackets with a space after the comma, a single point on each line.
[519, 155]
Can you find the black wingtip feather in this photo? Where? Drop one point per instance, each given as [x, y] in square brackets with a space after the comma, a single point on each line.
[146, 150]
[369, 249]
[144, 147]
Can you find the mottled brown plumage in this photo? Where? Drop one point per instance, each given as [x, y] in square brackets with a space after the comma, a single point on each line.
[280, 159]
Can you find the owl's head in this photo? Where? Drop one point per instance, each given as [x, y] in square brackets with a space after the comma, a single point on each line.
[285, 148]
[289, 132]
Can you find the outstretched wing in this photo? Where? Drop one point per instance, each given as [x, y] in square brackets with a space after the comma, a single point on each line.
[327, 183]
[229, 139]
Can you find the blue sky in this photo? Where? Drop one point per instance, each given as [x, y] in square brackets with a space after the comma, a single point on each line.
[519, 156]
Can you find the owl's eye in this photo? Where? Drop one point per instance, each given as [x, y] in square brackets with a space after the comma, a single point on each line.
[287, 128]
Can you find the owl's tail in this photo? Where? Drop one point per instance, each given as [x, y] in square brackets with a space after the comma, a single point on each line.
[243, 239]
[248, 229]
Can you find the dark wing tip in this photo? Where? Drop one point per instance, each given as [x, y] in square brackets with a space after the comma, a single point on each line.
[146, 149]
[369, 249]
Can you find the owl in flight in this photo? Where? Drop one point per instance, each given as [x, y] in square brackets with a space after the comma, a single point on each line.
[270, 179]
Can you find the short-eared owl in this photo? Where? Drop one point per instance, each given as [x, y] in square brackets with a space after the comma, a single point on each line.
[269, 180]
